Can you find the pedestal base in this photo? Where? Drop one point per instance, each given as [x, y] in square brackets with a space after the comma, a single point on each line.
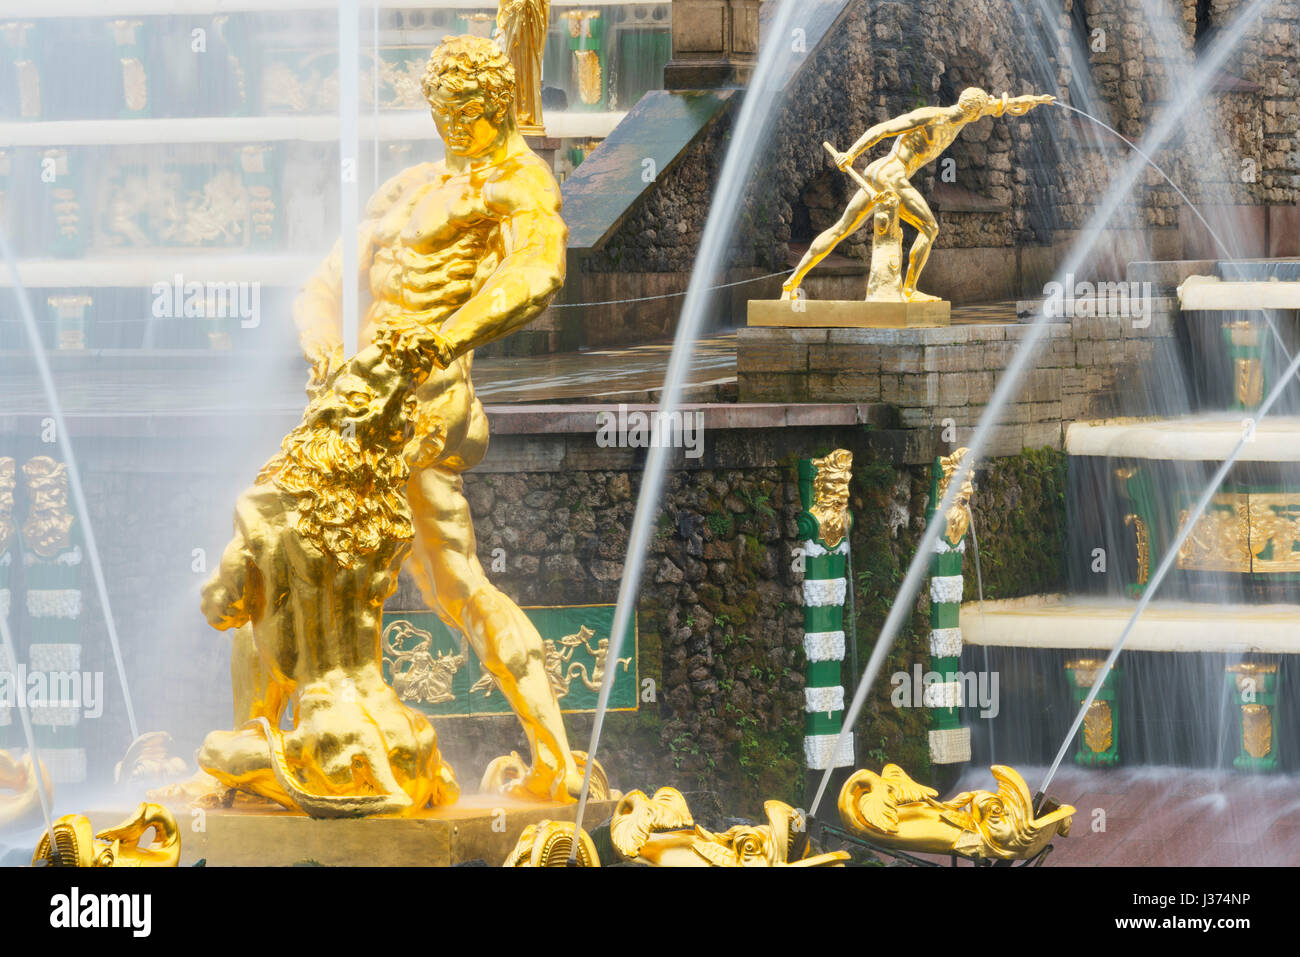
[478, 827]
[847, 314]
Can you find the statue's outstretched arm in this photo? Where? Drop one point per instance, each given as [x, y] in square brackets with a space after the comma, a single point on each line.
[889, 128]
[1020, 105]
[529, 274]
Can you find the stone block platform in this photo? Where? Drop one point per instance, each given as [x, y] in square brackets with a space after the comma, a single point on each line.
[938, 379]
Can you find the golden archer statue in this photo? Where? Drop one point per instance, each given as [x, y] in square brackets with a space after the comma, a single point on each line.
[462, 252]
[920, 137]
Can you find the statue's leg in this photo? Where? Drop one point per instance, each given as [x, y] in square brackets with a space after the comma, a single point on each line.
[914, 210]
[855, 213]
[503, 638]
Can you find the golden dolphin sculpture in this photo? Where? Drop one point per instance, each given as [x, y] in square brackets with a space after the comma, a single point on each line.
[660, 831]
[18, 777]
[892, 810]
[74, 845]
[549, 844]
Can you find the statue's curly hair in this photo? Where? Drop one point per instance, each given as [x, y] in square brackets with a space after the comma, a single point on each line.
[465, 62]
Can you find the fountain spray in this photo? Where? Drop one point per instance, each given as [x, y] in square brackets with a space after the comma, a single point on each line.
[1166, 563]
[746, 138]
[74, 475]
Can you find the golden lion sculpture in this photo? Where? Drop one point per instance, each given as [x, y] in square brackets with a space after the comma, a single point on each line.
[318, 543]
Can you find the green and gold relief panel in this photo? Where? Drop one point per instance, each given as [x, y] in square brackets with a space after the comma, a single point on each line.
[435, 671]
[1244, 531]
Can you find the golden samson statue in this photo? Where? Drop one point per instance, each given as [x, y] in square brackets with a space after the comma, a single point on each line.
[920, 137]
[455, 254]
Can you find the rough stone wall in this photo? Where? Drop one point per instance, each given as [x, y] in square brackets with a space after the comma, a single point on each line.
[1029, 176]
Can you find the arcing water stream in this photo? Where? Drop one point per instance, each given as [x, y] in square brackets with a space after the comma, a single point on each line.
[757, 110]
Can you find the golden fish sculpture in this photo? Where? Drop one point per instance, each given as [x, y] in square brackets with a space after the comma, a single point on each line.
[893, 811]
[660, 831]
[75, 846]
[20, 796]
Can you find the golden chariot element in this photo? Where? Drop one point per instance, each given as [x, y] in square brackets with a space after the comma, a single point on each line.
[661, 832]
[20, 795]
[75, 846]
[892, 811]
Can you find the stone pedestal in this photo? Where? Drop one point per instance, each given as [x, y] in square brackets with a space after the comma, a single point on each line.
[715, 44]
[479, 827]
[847, 314]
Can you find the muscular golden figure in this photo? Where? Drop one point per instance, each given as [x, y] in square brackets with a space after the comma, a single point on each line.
[467, 250]
[920, 137]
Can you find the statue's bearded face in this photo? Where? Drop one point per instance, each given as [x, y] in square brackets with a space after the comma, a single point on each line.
[468, 122]
[367, 402]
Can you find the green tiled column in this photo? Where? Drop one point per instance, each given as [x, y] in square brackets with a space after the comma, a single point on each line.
[825, 588]
[949, 741]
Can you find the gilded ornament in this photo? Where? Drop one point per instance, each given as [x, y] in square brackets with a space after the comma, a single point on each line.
[1097, 727]
[48, 529]
[417, 674]
[504, 774]
[1142, 536]
[135, 84]
[1220, 540]
[1256, 730]
[831, 495]
[959, 511]
[891, 810]
[74, 845]
[549, 844]
[660, 831]
[1274, 529]
[521, 32]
